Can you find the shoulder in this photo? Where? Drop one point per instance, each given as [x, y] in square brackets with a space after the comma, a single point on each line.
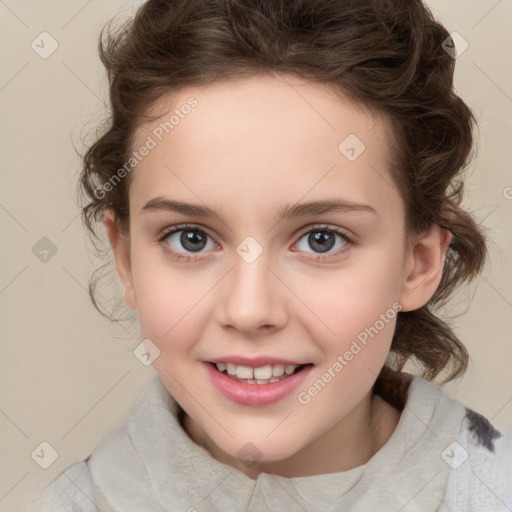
[113, 460]
[112, 467]
[481, 461]
[477, 456]
[71, 491]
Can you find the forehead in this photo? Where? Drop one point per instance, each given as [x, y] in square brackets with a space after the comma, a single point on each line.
[262, 137]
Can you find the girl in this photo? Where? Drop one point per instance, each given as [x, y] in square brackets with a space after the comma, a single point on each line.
[280, 185]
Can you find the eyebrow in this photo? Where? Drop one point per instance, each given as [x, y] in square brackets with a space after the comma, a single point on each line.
[310, 208]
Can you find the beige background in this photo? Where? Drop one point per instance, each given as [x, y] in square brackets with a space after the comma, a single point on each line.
[68, 375]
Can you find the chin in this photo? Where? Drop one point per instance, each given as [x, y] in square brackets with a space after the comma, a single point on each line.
[257, 449]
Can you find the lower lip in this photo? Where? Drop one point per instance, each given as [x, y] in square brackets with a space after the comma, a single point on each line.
[255, 394]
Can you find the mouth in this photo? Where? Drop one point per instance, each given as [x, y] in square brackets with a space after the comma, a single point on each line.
[256, 386]
[267, 374]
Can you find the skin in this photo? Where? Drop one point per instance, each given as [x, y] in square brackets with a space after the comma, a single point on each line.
[249, 147]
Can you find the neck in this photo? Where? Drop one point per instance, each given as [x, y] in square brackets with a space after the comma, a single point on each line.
[350, 443]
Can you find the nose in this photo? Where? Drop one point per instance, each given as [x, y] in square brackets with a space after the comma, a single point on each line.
[252, 299]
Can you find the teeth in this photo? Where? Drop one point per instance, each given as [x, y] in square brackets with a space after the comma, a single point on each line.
[244, 372]
[263, 381]
[263, 372]
[289, 369]
[277, 370]
[260, 375]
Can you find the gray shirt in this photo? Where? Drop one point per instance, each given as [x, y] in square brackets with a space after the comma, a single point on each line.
[442, 457]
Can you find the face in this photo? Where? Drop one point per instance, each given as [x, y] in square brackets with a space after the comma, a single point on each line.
[261, 278]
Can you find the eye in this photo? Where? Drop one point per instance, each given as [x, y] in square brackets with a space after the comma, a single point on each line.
[187, 242]
[188, 238]
[323, 239]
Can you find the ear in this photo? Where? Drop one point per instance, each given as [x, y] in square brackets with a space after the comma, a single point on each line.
[121, 249]
[424, 268]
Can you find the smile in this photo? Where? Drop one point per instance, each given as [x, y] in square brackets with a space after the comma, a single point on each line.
[256, 386]
[261, 375]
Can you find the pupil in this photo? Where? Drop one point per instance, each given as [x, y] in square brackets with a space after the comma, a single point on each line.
[321, 241]
[192, 240]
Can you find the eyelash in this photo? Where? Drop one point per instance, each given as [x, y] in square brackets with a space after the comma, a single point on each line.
[319, 257]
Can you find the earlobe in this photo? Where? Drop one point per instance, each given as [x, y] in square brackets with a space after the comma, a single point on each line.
[427, 262]
[120, 249]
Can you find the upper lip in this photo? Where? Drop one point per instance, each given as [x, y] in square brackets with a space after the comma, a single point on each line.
[255, 362]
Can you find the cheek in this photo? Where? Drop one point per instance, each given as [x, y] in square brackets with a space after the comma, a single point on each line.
[362, 336]
[348, 302]
[352, 357]
[172, 314]
[170, 305]
[356, 316]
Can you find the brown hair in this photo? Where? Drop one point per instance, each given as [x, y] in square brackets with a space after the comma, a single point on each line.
[386, 54]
